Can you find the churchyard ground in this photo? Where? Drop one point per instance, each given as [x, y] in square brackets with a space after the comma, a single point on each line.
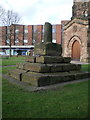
[68, 101]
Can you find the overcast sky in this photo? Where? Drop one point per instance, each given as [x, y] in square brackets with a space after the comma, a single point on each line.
[40, 11]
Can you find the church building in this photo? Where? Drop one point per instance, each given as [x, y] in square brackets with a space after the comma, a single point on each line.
[76, 34]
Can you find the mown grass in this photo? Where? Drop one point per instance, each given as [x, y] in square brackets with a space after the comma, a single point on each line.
[85, 67]
[68, 101]
[11, 60]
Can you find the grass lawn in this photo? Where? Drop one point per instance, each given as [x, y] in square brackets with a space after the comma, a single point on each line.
[85, 67]
[11, 60]
[69, 101]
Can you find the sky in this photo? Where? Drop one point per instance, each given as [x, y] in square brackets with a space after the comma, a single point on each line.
[35, 12]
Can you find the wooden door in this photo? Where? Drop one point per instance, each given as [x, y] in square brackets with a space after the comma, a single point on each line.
[76, 51]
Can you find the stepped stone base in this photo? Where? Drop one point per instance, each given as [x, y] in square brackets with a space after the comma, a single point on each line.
[46, 70]
[43, 79]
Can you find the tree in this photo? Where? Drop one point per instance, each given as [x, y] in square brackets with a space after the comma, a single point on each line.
[8, 18]
[1, 11]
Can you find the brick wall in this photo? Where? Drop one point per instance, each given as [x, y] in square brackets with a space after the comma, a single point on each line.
[58, 34]
[3, 35]
[30, 35]
[18, 34]
[39, 35]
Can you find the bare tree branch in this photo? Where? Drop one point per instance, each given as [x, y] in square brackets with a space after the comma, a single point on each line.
[8, 18]
[2, 12]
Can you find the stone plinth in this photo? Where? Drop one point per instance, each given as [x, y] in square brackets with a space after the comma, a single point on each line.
[47, 49]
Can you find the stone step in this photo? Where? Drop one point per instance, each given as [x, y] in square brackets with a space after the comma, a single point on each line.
[16, 73]
[20, 65]
[39, 79]
[47, 59]
[43, 79]
[52, 59]
[48, 68]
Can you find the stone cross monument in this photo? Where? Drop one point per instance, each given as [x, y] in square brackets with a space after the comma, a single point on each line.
[47, 66]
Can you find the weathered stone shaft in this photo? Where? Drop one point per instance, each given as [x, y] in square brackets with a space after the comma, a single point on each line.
[47, 32]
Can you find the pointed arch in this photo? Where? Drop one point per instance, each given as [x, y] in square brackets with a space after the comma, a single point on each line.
[74, 42]
[72, 39]
[75, 50]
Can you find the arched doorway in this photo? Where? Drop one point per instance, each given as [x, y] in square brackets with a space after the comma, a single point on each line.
[76, 50]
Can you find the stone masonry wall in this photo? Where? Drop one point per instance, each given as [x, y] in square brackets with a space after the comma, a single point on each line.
[72, 32]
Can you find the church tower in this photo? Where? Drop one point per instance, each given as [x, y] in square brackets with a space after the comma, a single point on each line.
[80, 9]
